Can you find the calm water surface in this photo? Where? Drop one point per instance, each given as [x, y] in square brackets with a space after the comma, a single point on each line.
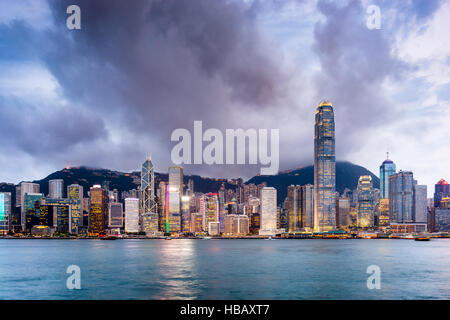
[224, 269]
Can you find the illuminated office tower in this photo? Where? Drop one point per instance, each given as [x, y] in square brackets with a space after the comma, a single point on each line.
[366, 202]
[162, 212]
[401, 197]
[5, 212]
[387, 169]
[383, 211]
[441, 191]
[307, 206]
[30, 204]
[324, 169]
[25, 187]
[55, 188]
[174, 198]
[236, 225]
[132, 215]
[293, 207]
[98, 213]
[76, 200]
[420, 203]
[115, 219]
[213, 228]
[268, 211]
[60, 211]
[210, 209]
[185, 214]
[196, 222]
[148, 204]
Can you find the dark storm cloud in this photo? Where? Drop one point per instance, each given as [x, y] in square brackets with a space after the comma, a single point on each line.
[138, 70]
[41, 132]
[163, 53]
[355, 61]
[154, 66]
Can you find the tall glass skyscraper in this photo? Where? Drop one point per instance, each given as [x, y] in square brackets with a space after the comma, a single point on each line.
[387, 169]
[324, 169]
[174, 198]
[148, 204]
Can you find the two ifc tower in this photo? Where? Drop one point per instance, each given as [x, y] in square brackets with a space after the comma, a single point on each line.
[324, 169]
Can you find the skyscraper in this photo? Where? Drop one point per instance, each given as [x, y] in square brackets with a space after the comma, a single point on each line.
[24, 188]
[441, 190]
[366, 202]
[387, 169]
[185, 214]
[5, 212]
[115, 219]
[307, 204]
[148, 203]
[132, 215]
[98, 214]
[324, 169]
[210, 209]
[268, 211]
[75, 197]
[401, 191]
[293, 207]
[420, 203]
[175, 192]
[55, 188]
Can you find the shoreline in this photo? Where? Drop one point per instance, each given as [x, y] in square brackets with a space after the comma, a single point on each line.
[197, 238]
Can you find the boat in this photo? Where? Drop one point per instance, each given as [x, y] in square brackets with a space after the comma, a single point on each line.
[109, 238]
[269, 238]
[167, 238]
[422, 239]
[206, 238]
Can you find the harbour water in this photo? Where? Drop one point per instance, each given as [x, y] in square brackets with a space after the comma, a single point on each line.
[225, 269]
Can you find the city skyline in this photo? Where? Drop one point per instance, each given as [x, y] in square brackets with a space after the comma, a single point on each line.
[400, 206]
[396, 101]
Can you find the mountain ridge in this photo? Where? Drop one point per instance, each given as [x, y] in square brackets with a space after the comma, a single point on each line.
[347, 175]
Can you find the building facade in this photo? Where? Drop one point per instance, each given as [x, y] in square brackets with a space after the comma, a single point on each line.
[132, 215]
[366, 202]
[268, 211]
[324, 169]
[174, 200]
[56, 188]
[5, 212]
[149, 207]
[98, 213]
[387, 169]
[76, 200]
[401, 197]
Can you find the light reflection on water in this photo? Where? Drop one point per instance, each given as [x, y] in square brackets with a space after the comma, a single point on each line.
[224, 269]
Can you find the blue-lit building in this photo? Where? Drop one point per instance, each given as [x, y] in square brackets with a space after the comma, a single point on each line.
[5, 212]
[387, 169]
[324, 169]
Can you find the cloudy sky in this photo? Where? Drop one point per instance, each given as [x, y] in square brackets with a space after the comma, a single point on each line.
[111, 93]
